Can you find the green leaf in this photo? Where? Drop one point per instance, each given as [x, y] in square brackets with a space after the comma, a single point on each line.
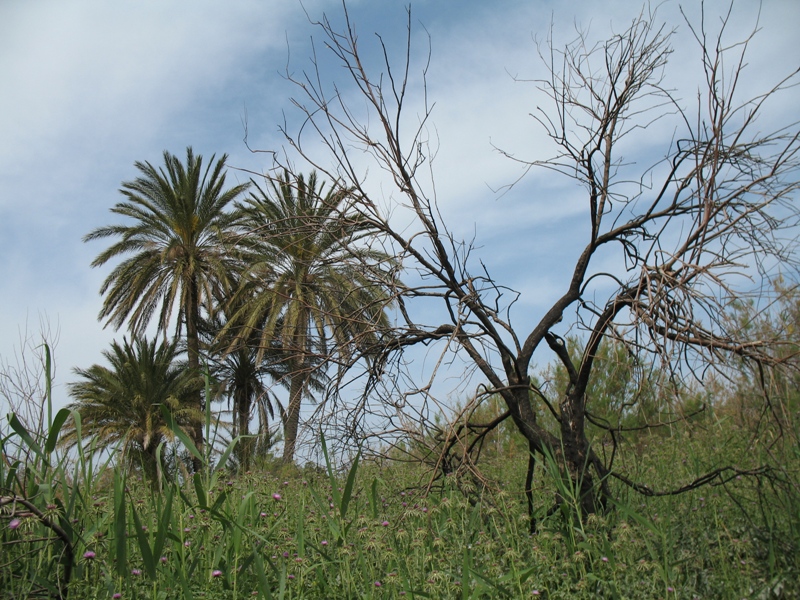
[22, 432]
[55, 430]
[144, 545]
[348, 488]
[163, 524]
[120, 526]
[180, 433]
[263, 584]
[202, 499]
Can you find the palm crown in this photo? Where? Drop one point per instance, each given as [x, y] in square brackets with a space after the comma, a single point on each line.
[175, 249]
[305, 280]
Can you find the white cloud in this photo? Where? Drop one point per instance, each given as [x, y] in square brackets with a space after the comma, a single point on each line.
[88, 87]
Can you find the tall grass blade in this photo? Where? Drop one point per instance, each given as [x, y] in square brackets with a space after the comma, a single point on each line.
[144, 545]
[120, 526]
[23, 434]
[180, 433]
[55, 430]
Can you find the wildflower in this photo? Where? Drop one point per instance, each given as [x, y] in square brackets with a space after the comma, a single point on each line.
[285, 483]
[216, 573]
[187, 543]
[324, 542]
[263, 514]
[670, 589]
[163, 560]
[385, 523]
[377, 584]
[604, 558]
[290, 577]
[117, 596]
[276, 496]
[89, 555]
[136, 572]
[14, 523]
[535, 592]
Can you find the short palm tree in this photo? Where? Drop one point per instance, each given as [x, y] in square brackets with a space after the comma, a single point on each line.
[120, 404]
[240, 377]
[175, 252]
[306, 283]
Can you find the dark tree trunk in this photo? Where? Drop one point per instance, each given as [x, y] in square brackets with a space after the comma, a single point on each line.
[193, 359]
[576, 452]
[243, 426]
[293, 416]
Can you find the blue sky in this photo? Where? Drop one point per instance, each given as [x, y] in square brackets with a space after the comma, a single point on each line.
[89, 87]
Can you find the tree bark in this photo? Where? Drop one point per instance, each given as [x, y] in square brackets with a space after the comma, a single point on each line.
[193, 360]
[293, 416]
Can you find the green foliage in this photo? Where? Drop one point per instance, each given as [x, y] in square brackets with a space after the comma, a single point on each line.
[173, 248]
[120, 403]
[304, 284]
[371, 534]
[624, 393]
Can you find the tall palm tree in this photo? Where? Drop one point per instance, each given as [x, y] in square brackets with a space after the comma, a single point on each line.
[306, 282]
[174, 249]
[120, 403]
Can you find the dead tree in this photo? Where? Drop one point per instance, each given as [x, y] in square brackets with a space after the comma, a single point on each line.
[720, 203]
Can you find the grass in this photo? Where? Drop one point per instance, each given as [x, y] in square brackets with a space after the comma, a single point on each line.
[370, 532]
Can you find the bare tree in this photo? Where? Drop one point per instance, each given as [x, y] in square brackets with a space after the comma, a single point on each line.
[25, 383]
[691, 233]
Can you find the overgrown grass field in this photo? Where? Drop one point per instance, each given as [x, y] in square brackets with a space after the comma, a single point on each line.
[378, 530]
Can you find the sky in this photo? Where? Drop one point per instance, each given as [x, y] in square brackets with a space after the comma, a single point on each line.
[89, 87]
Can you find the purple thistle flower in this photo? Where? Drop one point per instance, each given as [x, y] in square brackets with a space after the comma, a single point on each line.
[216, 573]
[14, 524]
[89, 555]
[276, 496]
[136, 572]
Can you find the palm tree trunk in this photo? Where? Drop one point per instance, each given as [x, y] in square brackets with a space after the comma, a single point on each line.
[243, 427]
[293, 415]
[193, 359]
[298, 382]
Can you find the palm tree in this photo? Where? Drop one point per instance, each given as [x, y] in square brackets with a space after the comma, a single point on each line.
[240, 377]
[174, 248]
[120, 404]
[306, 283]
